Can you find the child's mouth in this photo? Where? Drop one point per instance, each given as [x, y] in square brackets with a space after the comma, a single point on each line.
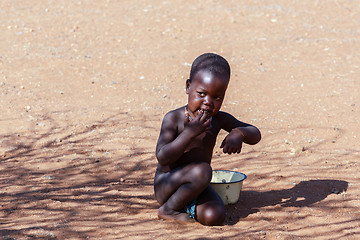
[207, 112]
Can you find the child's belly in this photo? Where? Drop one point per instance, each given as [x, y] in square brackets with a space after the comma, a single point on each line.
[193, 155]
[200, 150]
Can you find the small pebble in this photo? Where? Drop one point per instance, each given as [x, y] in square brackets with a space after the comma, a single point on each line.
[47, 177]
[41, 124]
[122, 180]
[297, 150]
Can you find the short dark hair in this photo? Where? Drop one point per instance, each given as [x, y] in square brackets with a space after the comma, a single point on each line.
[212, 62]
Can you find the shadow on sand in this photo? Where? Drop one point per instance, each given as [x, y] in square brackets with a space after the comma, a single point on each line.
[303, 194]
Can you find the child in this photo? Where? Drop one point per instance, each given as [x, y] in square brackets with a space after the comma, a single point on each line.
[186, 142]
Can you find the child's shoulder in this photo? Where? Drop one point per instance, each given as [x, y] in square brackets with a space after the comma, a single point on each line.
[175, 114]
[223, 115]
[226, 120]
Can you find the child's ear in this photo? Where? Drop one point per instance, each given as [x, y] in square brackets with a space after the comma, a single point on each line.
[188, 83]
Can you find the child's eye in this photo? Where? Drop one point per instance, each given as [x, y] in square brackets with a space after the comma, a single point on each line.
[202, 94]
[218, 98]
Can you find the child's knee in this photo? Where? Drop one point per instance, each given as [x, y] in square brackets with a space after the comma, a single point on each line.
[212, 216]
[202, 172]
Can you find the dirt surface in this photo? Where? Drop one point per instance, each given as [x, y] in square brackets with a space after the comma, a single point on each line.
[84, 86]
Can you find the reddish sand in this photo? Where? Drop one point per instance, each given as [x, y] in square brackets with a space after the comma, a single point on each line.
[84, 86]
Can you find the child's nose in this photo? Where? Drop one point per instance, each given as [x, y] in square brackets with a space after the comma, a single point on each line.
[208, 101]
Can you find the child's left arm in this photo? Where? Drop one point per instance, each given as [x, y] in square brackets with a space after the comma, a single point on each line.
[239, 132]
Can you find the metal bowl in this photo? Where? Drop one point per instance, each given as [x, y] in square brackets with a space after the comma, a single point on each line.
[227, 184]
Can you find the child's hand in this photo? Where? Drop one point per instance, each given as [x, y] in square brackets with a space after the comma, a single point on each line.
[199, 124]
[233, 142]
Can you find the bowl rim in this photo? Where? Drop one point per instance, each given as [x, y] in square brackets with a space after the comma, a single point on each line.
[229, 182]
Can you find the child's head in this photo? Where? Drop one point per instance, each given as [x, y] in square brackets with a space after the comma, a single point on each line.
[213, 63]
[206, 87]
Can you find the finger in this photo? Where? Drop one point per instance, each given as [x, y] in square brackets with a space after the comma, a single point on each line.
[231, 150]
[234, 150]
[223, 143]
[198, 117]
[224, 149]
[207, 123]
[204, 116]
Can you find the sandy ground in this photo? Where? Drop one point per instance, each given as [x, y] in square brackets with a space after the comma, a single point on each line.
[84, 86]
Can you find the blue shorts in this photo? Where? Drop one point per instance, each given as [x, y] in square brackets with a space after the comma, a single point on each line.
[191, 209]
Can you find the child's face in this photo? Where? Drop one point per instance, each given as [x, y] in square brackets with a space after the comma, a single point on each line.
[206, 93]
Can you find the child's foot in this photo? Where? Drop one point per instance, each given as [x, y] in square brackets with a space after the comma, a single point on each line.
[169, 214]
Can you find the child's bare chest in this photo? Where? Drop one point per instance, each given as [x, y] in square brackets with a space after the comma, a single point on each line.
[200, 149]
[204, 141]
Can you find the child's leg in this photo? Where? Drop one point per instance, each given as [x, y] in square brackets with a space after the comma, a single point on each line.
[176, 189]
[210, 208]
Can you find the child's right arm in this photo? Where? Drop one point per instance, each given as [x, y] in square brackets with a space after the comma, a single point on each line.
[171, 145]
